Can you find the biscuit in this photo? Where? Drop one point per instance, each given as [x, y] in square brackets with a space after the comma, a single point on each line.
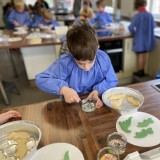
[117, 96]
[18, 135]
[21, 148]
[116, 104]
[133, 101]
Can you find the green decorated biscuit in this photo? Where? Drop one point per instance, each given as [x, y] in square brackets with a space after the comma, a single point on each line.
[66, 156]
[145, 123]
[125, 125]
[143, 133]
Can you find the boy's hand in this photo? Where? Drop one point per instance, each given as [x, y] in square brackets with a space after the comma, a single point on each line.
[70, 95]
[24, 26]
[16, 24]
[94, 95]
[41, 26]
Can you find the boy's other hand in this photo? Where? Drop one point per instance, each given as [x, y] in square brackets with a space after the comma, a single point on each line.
[41, 26]
[94, 95]
[70, 95]
[24, 26]
[16, 24]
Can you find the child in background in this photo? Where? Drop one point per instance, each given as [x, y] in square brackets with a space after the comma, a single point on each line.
[47, 20]
[19, 17]
[7, 9]
[41, 3]
[37, 17]
[78, 5]
[102, 18]
[4, 117]
[87, 15]
[142, 27]
[83, 70]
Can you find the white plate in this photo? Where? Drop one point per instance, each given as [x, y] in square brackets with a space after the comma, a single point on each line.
[20, 32]
[148, 141]
[56, 151]
[15, 39]
[20, 28]
[46, 36]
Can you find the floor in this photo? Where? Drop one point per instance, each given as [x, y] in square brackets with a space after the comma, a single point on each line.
[28, 93]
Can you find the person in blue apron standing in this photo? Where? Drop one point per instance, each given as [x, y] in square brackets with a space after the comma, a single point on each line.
[142, 28]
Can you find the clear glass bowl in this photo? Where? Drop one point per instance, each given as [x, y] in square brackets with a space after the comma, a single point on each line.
[88, 105]
[104, 153]
[116, 143]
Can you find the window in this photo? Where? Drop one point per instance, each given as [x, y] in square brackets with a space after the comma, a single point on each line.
[32, 2]
[154, 7]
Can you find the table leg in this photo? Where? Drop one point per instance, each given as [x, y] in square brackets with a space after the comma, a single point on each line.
[12, 63]
[4, 93]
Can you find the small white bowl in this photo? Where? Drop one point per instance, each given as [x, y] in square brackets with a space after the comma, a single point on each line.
[23, 126]
[126, 108]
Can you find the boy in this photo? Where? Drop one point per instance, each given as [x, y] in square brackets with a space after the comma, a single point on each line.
[86, 69]
[47, 20]
[142, 27]
[102, 18]
[19, 17]
[7, 9]
[37, 17]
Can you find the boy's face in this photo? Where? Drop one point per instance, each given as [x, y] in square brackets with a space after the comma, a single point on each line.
[47, 20]
[85, 65]
[100, 8]
[20, 9]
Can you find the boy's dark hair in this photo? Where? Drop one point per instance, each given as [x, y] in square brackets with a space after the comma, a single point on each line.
[140, 3]
[82, 42]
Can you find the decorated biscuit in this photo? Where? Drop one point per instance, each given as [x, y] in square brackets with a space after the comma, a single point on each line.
[126, 124]
[117, 96]
[143, 133]
[21, 148]
[18, 135]
[145, 123]
[133, 101]
[116, 104]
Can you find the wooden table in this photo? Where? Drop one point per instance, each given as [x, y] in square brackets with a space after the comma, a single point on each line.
[29, 44]
[26, 42]
[88, 131]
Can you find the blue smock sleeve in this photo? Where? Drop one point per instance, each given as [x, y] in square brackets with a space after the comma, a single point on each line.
[11, 17]
[109, 19]
[110, 80]
[131, 27]
[55, 24]
[27, 19]
[54, 78]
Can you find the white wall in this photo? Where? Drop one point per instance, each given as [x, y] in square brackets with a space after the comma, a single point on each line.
[4, 2]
